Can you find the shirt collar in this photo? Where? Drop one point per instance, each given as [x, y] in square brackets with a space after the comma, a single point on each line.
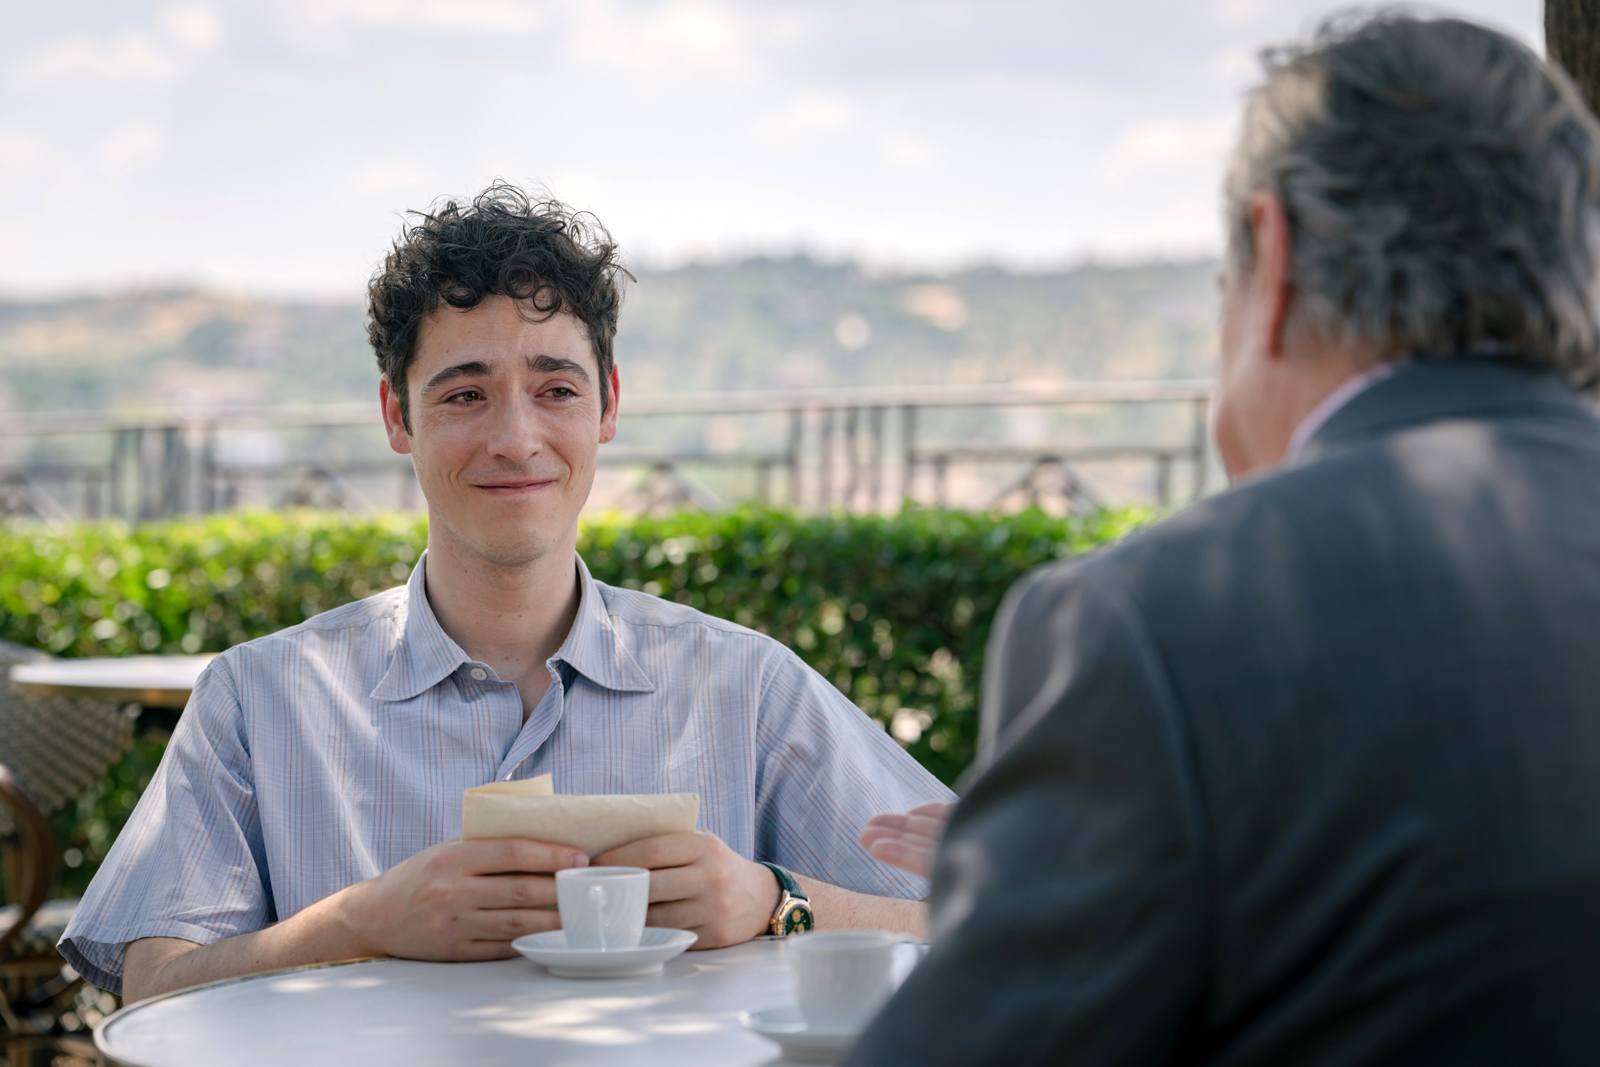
[427, 655]
[594, 646]
[1347, 391]
[1461, 387]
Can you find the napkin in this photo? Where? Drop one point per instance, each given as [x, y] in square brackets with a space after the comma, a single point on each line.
[590, 824]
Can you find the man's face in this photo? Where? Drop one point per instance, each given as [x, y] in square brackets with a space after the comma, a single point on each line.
[1237, 397]
[505, 425]
[1253, 411]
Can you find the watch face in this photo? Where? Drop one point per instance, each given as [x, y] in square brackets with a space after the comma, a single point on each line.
[797, 918]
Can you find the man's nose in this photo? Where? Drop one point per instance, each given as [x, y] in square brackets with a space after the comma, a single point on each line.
[518, 431]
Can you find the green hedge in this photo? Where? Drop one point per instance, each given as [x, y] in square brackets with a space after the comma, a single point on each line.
[894, 610]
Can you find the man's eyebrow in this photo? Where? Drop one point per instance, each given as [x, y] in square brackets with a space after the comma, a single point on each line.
[471, 369]
[543, 364]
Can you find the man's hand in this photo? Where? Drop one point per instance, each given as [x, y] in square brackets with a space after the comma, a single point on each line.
[908, 841]
[698, 883]
[459, 900]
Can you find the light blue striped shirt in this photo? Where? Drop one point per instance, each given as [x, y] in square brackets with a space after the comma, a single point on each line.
[322, 755]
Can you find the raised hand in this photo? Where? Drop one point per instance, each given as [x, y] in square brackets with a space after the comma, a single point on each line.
[908, 841]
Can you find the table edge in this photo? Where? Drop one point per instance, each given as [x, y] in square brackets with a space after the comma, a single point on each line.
[145, 696]
[105, 1024]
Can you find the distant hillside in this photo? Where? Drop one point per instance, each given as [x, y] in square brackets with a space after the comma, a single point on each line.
[747, 324]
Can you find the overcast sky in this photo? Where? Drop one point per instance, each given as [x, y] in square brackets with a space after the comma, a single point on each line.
[271, 147]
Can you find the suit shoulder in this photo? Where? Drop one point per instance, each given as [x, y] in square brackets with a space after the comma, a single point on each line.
[1230, 524]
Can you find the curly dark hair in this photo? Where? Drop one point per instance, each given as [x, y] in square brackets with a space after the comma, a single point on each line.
[537, 251]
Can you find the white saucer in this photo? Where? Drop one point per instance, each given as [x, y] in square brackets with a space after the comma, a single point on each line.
[800, 1042]
[658, 945]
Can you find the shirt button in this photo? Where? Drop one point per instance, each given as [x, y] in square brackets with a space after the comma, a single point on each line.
[479, 674]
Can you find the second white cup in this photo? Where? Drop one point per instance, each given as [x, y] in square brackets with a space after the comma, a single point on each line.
[842, 977]
[603, 907]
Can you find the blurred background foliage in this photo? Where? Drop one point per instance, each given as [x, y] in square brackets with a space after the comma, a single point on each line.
[893, 610]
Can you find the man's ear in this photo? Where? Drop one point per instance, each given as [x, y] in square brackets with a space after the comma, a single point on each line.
[608, 421]
[393, 423]
[1274, 249]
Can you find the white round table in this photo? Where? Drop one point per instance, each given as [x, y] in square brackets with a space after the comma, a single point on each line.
[400, 1012]
[149, 681]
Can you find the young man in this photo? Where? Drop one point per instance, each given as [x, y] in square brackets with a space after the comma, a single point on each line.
[309, 805]
[1310, 773]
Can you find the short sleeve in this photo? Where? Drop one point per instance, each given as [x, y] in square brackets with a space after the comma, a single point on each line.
[190, 863]
[824, 769]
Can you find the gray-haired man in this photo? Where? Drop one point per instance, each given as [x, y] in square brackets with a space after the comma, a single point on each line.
[1311, 773]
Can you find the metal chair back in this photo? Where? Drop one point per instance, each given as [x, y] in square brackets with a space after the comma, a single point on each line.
[56, 747]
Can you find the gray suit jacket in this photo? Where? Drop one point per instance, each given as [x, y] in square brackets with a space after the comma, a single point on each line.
[1309, 773]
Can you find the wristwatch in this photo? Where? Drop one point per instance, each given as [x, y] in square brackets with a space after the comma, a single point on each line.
[793, 914]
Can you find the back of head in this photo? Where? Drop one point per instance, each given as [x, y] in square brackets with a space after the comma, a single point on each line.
[1442, 186]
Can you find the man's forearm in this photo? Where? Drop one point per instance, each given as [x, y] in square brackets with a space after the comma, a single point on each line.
[844, 909]
[316, 934]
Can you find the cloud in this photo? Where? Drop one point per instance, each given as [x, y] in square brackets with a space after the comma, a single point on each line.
[1234, 12]
[818, 111]
[135, 56]
[143, 55]
[909, 151]
[1238, 65]
[17, 150]
[684, 37]
[809, 114]
[698, 29]
[1156, 142]
[194, 26]
[390, 175]
[465, 17]
[131, 144]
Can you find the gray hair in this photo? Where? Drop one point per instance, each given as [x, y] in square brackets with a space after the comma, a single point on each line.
[1442, 186]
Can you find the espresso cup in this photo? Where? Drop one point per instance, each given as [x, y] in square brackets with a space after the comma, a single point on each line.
[603, 907]
[842, 977]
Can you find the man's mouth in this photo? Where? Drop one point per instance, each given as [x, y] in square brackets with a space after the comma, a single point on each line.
[515, 486]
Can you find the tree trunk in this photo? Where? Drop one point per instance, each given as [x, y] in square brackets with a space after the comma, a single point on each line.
[1572, 39]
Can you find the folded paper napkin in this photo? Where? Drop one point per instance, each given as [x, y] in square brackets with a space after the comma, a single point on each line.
[590, 824]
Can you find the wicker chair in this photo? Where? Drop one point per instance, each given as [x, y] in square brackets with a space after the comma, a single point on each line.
[51, 751]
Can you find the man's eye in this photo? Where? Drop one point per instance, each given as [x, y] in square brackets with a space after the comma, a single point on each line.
[463, 396]
[561, 392]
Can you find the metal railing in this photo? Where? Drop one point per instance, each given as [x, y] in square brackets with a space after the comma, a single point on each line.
[861, 449]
